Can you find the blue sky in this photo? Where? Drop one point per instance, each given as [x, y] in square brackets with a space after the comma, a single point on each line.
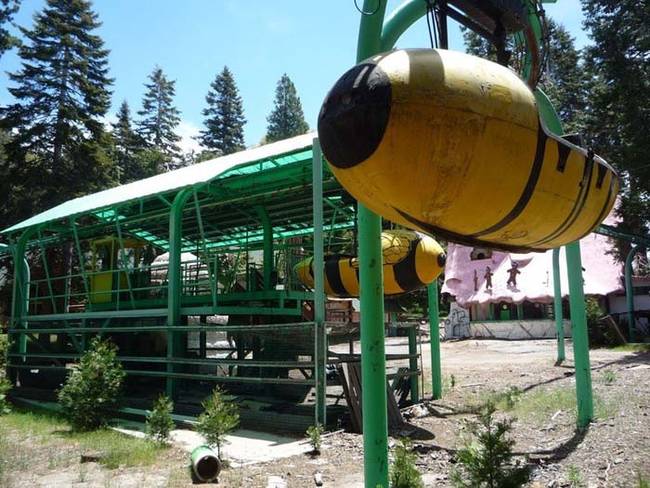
[313, 41]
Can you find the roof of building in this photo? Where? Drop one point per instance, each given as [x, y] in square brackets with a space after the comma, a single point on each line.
[206, 171]
[602, 274]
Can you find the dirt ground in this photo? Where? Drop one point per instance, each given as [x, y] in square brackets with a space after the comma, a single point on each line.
[520, 376]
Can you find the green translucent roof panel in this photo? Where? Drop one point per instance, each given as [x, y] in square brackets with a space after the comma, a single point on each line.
[238, 163]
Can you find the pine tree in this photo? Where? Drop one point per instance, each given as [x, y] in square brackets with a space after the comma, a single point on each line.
[62, 93]
[160, 117]
[133, 160]
[287, 119]
[224, 114]
[564, 80]
[7, 10]
[618, 116]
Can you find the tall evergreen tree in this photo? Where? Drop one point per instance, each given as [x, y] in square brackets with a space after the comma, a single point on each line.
[287, 118]
[62, 93]
[564, 79]
[160, 117]
[618, 62]
[224, 116]
[7, 10]
[134, 161]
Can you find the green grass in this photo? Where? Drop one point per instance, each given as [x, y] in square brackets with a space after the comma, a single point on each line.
[3, 460]
[539, 405]
[633, 347]
[574, 477]
[609, 376]
[116, 449]
[34, 423]
[642, 481]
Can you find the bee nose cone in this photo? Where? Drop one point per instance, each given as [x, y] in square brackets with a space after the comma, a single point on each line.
[354, 115]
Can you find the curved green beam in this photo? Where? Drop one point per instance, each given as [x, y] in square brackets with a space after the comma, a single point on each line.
[174, 282]
[409, 12]
[20, 294]
[403, 17]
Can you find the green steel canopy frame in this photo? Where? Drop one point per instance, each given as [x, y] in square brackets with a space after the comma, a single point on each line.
[245, 201]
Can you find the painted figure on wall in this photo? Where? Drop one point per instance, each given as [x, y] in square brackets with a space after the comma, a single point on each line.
[513, 272]
[488, 278]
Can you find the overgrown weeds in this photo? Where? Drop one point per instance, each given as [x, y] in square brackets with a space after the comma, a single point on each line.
[114, 449]
[609, 376]
[633, 347]
[574, 477]
[118, 449]
[539, 405]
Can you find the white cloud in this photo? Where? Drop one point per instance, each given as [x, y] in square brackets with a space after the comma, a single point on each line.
[188, 131]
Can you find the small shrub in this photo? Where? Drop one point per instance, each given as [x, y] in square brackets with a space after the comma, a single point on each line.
[92, 390]
[5, 386]
[218, 418]
[403, 472]
[4, 349]
[314, 432]
[609, 376]
[159, 420]
[485, 461]
[642, 481]
[452, 381]
[574, 477]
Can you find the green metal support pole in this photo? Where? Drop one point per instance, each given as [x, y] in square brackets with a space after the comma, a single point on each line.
[318, 265]
[373, 359]
[174, 283]
[629, 292]
[268, 244]
[413, 364]
[557, 306]
[576, 294]
[434, 334]
[579, 335]
[20, 304]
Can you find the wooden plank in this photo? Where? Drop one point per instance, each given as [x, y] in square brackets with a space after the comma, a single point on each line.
[351, 382]
[353, 407]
